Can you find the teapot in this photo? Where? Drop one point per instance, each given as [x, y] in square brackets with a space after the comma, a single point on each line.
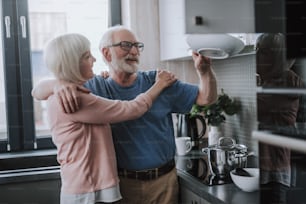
[193, 126]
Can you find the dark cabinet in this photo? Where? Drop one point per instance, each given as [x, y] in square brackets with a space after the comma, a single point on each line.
[284, 16]
[189, 197]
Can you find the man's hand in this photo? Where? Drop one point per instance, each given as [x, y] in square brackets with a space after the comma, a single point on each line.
[201, 63]
[68, 95]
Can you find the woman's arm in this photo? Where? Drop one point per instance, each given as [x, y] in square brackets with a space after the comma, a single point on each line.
[100, 110]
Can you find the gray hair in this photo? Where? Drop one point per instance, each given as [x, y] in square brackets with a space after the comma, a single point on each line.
[107, 38]
[62, 56]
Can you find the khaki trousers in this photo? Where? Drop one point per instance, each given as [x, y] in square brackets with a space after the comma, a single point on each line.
[163, 190]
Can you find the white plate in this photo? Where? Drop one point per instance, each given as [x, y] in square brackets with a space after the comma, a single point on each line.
[215, 46]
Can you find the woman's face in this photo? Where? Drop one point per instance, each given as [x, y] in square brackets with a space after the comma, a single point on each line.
[86, 64]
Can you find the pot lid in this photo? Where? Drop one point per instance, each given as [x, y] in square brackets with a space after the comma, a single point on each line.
[226, 144]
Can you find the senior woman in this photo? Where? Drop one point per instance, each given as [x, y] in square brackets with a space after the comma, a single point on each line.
[83, 139]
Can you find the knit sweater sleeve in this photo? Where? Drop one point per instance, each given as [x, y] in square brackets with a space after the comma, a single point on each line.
[98, 110]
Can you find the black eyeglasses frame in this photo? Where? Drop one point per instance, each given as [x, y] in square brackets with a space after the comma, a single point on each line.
[127, 46]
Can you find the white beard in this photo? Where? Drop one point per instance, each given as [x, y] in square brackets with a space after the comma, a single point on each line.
[121, 65]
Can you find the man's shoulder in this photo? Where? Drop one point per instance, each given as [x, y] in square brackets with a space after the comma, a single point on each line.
[150, 73]
[96, 80]
[97, 84]
[148, 76]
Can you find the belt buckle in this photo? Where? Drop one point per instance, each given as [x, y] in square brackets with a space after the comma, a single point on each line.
[137, 173]
[148, 174]
[156, 173]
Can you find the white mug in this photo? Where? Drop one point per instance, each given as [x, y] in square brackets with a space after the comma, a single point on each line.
[183, 145]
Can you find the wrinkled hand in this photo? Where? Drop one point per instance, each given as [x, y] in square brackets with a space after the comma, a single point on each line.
[201, 63]
[104, 74]
[165, 77]
[68, 95]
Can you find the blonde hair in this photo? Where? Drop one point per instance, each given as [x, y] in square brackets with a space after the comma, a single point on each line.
[62, 56]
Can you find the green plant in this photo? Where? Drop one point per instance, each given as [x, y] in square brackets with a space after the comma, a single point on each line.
[215, 113]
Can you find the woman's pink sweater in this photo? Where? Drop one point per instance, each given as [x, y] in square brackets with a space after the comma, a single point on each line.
[84, 141]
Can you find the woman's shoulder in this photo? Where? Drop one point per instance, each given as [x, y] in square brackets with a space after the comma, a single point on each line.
[96, 79]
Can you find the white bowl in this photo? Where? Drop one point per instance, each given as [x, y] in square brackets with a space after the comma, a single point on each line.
[246, 183]
[215, 46]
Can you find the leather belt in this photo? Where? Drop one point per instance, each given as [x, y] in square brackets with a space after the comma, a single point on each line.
[147, 174]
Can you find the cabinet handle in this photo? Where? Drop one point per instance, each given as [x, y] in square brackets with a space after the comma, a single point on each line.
[7, 21]
[23, 26]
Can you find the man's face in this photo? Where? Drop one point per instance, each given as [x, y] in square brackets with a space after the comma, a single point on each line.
[123, 58]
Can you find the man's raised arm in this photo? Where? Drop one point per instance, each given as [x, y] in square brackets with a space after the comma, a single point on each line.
[208, 83]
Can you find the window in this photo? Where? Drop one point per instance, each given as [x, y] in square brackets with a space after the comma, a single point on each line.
[26, 27]
[3, 127]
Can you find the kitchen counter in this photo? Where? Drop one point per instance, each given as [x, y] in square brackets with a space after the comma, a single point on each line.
[222, 193]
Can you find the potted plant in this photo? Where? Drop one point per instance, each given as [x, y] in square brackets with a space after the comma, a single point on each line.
[215, 114]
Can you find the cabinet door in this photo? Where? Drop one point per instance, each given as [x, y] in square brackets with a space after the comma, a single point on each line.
[203, 201]
[219, 16]
[171, 23]
[180, 17]
[189, 197]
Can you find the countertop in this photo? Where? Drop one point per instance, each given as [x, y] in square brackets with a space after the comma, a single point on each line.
[215, 194]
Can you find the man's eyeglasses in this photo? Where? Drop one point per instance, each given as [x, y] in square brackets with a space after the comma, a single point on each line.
[127, 46]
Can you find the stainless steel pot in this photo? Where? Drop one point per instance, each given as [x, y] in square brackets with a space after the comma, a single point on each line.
[225, 156]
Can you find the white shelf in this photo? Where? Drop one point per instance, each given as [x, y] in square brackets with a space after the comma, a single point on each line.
[280, 140]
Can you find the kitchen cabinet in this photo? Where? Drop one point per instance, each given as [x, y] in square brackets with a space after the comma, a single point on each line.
[189, 197]
[283, 16]
[180, 17]
[194, 190]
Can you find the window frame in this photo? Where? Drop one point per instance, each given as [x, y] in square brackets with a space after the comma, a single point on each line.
[18, 79]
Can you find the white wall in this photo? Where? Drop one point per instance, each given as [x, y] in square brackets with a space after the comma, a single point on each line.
[142, 17]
